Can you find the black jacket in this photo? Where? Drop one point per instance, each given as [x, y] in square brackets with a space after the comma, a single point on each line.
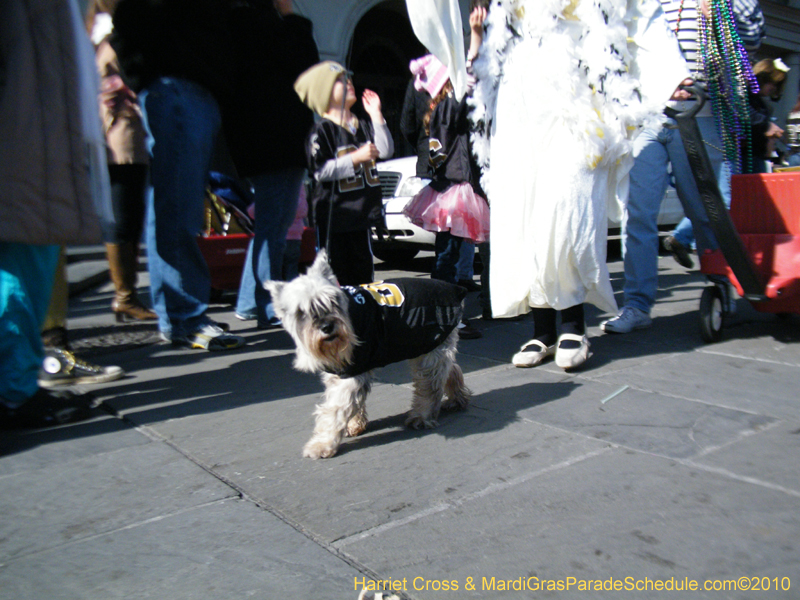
[186, 39]
[415, 106]
[450, 151]
[265, 122]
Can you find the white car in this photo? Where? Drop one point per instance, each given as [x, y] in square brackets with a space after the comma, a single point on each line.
[399, 183]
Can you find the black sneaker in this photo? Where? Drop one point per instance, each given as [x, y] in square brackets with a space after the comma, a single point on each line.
[469, 284]
[467, 331]
[678, 251]
[62, 367]
[46, 409]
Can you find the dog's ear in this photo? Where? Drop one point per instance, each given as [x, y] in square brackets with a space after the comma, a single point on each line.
[321, 268]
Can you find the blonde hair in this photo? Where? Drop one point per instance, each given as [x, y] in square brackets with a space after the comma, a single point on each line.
[766, 72]
[97, 7]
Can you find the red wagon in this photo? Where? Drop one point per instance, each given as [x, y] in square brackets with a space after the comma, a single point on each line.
[759, 238]
[765, 211]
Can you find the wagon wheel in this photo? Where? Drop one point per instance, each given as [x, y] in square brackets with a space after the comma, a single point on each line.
[712, 315]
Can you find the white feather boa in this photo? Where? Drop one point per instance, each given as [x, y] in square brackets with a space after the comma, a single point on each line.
[588, 73]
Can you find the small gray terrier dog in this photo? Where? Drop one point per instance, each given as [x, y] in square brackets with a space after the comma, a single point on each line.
[346, 332]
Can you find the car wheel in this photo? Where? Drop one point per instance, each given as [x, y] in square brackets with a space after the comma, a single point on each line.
[390, 255]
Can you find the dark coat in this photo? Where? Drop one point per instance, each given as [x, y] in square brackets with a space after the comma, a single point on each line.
[48, 157]
[185, 39]
[450, 151]
[265, 122]
[415, 106]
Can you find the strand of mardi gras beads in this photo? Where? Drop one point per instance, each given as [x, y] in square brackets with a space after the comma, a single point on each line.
[729, 77]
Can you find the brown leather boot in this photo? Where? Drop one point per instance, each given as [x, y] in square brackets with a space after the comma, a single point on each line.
[122, 263]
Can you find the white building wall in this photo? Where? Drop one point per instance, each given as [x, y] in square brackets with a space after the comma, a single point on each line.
[336, 20]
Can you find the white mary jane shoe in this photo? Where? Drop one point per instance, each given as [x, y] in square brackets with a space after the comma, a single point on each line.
[569, 358]
[530, 358]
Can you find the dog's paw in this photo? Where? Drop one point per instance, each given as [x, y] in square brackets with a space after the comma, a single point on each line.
[356, 426]
[419, 422]
[457, 403]
[319, 449]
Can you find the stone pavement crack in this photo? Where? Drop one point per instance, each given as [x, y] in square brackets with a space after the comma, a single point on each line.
[244, 496]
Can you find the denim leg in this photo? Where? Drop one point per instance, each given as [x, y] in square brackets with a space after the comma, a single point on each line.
[26, 282]
[648, 183]
[182, 120]
[687, 187]
[246, 301]
[448, 250]
[276, 197]
[465, 268]
[684, 233]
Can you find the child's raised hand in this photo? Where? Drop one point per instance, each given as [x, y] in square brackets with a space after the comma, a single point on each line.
[372, 104]
[476, 19]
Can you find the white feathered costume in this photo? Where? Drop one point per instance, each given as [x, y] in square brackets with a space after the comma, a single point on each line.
[563, 88]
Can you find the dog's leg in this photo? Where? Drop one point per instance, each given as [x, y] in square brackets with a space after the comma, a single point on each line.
[358, 422]
[341, 401]
[429, 373]
[457, 392]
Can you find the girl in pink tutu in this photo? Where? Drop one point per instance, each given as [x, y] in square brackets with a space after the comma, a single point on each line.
[453, 206]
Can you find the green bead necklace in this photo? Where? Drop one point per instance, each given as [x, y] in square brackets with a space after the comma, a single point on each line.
[729, 76]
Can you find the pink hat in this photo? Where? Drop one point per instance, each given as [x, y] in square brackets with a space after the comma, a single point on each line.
[429, 74]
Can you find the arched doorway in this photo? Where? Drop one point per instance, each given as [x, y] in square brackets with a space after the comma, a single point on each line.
[382, 46]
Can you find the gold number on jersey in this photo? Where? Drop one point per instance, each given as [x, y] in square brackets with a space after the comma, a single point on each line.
[361, 175]
[387, 294]
[436, 151]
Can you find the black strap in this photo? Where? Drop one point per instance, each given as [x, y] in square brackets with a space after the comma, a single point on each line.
[728, 239]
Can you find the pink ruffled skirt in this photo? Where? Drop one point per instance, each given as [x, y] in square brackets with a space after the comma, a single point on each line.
[458, 209]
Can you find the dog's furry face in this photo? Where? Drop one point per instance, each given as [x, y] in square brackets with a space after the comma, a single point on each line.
[313, 309]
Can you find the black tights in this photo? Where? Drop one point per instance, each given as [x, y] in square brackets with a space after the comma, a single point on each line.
[128, 186]
[544, 323]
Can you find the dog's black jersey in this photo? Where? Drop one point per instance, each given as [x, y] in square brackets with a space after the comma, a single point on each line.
[399, 319]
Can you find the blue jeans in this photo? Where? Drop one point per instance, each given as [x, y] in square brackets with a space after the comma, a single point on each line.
[654, 150]
[276, 196]
[448, 251]
[182, 121]
[684, 232]
[26, 282]
[465, 269]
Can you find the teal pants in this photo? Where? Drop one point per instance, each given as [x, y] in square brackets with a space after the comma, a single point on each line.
[26, 282]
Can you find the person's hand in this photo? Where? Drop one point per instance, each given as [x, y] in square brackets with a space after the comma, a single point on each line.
[372, 104]
[284, 7]
[114, 94]
[680, 94]
[773, 131]
[368, 152]
[476, 19]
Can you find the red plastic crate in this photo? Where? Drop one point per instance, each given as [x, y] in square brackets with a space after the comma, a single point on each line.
[225, 255]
